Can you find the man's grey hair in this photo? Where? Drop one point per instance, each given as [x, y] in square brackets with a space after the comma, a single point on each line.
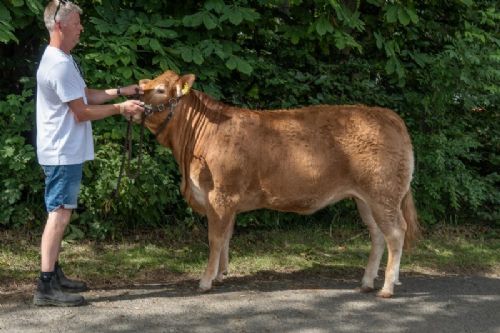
[66, 7]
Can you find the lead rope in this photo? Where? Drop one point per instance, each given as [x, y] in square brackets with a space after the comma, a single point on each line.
[127, 152]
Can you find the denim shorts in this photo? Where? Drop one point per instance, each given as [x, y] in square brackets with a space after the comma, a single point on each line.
[62, 185]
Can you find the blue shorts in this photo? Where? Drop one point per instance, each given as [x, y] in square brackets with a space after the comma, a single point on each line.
[62, 185]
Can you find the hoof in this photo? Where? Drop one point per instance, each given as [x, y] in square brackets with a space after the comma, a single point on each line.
[384, 294]
[203, 288]
[221, 276]
[365, 289]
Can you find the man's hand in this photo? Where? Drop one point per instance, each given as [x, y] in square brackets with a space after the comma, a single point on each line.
[131, 107]
[131, 90]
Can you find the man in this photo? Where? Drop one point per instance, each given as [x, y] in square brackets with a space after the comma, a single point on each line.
[64, 109]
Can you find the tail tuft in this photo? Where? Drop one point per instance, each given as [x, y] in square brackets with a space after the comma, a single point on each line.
[412, 226]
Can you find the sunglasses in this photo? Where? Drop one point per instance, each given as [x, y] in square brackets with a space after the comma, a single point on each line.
[61, 2]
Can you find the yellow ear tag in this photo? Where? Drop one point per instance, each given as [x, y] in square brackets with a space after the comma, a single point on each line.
[185, 89]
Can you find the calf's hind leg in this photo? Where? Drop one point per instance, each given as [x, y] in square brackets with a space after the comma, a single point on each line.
[377, 249]
[224, 254]
[393, 226]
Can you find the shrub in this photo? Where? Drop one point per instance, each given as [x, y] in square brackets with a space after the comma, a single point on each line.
[435, 63]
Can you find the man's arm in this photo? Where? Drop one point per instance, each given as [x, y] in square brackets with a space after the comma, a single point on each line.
[84, 112]
[96, 96]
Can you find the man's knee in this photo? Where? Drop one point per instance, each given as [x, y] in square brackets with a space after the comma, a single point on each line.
[60, 217]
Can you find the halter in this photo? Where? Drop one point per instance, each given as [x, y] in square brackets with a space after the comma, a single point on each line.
[149, 109]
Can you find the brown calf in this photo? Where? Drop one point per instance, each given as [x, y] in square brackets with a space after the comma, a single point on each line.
[234, 160]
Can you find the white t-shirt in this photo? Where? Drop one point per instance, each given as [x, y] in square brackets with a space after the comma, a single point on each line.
[61, 140]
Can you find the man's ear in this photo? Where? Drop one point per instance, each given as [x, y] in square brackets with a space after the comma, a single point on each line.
[184, 84]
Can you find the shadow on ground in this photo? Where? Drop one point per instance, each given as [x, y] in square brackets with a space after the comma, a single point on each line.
[320, 299]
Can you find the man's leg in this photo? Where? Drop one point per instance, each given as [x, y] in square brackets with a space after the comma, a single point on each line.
[48, 290]
[52, 237]
[62, 184]
[51, 247]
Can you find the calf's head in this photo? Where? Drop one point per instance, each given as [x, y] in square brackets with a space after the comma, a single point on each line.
[166, 87]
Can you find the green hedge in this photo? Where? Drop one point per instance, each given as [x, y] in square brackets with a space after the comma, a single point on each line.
[435, 62]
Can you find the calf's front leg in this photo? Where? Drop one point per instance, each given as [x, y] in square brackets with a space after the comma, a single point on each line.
[219, 233]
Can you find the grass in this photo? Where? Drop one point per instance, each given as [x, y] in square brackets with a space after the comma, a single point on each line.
[174, 254]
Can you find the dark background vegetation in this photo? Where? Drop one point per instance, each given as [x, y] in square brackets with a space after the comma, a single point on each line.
[436, 63]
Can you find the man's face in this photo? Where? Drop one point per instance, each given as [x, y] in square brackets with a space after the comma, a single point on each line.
[71, 29]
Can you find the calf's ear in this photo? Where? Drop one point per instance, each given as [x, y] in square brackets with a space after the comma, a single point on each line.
[184, 84]
[143, 82]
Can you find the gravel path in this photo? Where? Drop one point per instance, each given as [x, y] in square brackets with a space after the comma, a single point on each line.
[422, 304]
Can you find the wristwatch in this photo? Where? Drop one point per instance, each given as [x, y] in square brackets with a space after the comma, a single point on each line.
[118, 92]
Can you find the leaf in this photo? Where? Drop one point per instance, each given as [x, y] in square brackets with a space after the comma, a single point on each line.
[390, 48]
[125, 60]
[194, 20]
[403, 16]
[109, 59]
[165, 33]
[35, 6]
[244, 67]
[235, 16]
[207, 47]
[343, 40]
[215, 5]
[250, 14]
[197, 58]
[100, 25]
[210, 21]
[323, 26]
[391, 14]
[126, 72]
[254, 92]
[166, 23]
[155, 46]
[340, 41]
[17, 3]
[4, 15]
[143, 41]
[468, 3]
[390, 66]
[8, 152]
[6, 35]
[232, 62]
[413, 15]
[133, 28]
[400, 69]
[220, 53]
[187, 54]
[379, 40]
[377, 3]
[419, 58]
[74, 233]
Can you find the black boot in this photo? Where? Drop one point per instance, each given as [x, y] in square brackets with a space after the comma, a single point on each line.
[50, 293]
[67, 284]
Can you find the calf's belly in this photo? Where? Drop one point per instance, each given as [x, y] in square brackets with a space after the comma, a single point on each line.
[306, 200]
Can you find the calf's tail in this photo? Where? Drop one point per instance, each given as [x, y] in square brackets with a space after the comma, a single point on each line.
[410, 215]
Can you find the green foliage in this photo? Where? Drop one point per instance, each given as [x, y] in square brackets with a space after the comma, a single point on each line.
[141, 202]
[435, 63]
[17, 14]
[21, 177]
